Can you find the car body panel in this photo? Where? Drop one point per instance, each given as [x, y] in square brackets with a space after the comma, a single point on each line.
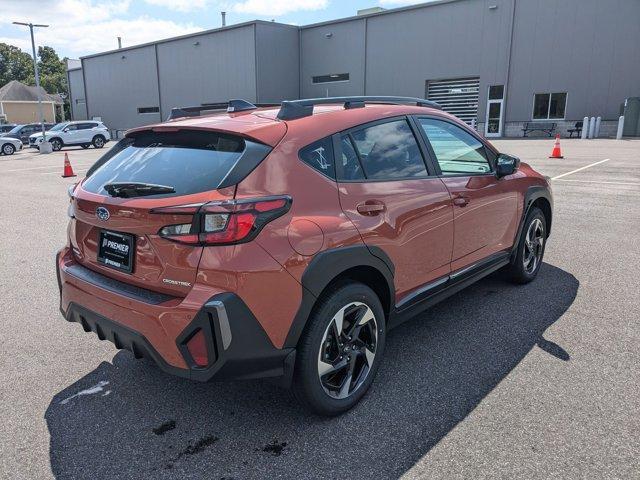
[487, 224]
[415, 229]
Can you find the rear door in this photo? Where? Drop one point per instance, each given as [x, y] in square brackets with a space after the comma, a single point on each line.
[119, 237]
[26, 131]
[388, 193]
[86, 131]
[485, 207]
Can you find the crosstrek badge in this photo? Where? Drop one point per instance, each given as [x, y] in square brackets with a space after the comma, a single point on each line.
[176, 282]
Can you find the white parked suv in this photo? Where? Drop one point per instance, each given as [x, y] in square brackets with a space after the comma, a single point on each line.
[83, 133]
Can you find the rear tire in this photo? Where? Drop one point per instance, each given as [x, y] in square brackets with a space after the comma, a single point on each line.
[8, 149]
[340, 350]
[98, 141]
[525, 265]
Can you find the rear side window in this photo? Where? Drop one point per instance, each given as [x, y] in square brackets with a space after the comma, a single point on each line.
[389, 151]
[188, 161]
[319, 156]
[349, 165]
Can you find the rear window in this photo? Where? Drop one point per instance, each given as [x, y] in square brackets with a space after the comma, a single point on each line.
[188, 161]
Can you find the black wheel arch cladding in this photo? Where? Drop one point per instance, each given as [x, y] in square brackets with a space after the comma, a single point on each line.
[329, 265]
[534, 196]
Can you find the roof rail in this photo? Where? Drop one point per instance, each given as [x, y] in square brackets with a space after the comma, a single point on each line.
[232, 106]
[292, 109]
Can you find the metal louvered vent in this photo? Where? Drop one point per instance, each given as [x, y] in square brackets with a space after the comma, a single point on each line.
[458, 96]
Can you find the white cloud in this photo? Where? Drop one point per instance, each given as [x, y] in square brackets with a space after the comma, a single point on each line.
[277, 7]
[62, 12]
[82, 27]
[180, 5]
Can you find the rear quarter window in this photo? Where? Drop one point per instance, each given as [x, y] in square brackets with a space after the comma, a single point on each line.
[189, 161]
[319, 156]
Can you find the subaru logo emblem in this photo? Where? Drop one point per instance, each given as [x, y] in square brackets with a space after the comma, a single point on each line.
[102, 213]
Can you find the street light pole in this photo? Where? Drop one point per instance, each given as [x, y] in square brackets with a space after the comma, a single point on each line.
[44, 148]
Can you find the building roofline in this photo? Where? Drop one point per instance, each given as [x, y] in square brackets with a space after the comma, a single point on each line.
[264, 22]
[189, 35]
[378, 14]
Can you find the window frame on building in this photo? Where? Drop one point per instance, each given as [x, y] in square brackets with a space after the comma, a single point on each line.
[320, 79]
[549, 97]
[148, 110]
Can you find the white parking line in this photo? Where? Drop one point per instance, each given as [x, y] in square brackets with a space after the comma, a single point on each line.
[580, 169]
[82, 170]
[598, 181]
[40, 168]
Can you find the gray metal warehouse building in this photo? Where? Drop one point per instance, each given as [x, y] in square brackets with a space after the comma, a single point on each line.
[498, 63]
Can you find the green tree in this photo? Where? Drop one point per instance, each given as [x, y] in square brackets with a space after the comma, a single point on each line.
[18, 65]
[15, 65]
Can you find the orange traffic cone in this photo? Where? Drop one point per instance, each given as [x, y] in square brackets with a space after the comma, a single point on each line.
[68, 171]
[556, 153]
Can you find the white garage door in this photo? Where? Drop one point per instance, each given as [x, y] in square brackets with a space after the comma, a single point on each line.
[458, 96]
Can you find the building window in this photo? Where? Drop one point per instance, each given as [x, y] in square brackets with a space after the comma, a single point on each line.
[334, 77]
[549, 106]
[79, 101]
[496, 92]
[148, 109]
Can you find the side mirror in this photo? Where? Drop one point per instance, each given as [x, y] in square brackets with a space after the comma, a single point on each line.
[506, 165]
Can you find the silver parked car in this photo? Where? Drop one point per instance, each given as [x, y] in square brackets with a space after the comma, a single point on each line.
[9, 145]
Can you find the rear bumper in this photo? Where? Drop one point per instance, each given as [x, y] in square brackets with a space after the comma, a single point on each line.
[157, 327]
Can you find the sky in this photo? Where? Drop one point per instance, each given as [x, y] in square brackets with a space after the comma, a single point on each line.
[83, 27]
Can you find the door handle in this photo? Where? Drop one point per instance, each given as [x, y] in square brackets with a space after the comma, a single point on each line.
[461, 201]
[370, 208]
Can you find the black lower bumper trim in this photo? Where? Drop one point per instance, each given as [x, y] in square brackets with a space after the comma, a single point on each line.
[249, 353]
[122, 337]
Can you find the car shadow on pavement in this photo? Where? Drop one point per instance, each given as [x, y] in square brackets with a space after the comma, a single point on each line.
[127, 419]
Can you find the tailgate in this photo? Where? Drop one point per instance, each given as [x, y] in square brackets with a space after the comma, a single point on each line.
[155, 263]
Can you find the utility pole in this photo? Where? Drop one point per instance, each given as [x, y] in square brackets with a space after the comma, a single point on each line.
[43, 148]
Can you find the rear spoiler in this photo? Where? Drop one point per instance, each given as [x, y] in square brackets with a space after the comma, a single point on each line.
[232, 106]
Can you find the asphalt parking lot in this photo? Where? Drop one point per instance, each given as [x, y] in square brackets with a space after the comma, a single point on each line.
[499, 381]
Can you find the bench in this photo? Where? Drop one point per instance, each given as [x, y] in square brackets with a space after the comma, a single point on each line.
[545, 127]
[577, 129]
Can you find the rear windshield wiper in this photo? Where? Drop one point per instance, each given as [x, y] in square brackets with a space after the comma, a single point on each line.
[136, 189]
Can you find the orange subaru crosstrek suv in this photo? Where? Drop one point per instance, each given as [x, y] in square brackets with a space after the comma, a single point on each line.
[286, 242]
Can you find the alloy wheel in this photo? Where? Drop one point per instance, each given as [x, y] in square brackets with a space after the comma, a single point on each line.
[8, 149]
[98, 143]
[348, 350]
[56, 145]
[533, 246]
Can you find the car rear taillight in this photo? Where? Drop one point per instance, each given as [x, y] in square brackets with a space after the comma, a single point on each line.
[224, 223]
